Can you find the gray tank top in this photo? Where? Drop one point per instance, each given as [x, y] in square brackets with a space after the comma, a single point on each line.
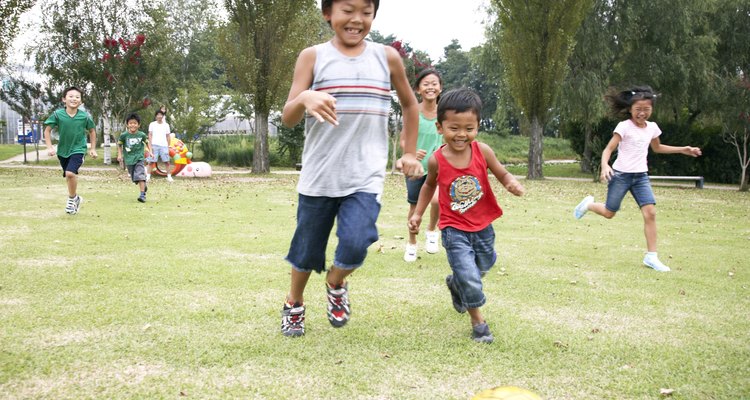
[351, 157]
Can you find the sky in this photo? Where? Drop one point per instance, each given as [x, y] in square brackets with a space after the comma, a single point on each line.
[430, 25]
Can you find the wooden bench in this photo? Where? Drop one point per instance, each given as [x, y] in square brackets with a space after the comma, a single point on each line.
[697, 179]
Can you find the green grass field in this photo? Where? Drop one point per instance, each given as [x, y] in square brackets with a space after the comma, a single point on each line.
[180, 298]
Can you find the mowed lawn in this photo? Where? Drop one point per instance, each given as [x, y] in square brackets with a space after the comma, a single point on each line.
[180, 297]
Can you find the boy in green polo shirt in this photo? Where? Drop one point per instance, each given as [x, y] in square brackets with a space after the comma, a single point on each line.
[72, 125]
[134, 142]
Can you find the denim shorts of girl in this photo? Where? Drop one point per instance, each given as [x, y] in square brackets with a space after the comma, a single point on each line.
[413, 186]
[636, 182]
[470, 255]
[355, 216]
[159, 153]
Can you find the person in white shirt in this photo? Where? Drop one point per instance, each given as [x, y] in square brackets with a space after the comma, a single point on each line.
[158, 136]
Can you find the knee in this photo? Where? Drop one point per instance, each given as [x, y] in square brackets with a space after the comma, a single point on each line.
[608, 214]
[649, 213]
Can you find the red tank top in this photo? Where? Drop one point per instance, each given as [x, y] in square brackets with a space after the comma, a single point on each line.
[466, 199]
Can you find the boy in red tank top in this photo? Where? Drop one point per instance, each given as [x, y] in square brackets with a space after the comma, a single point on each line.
[458, 169]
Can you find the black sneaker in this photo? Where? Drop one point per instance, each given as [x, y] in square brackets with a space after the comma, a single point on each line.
[338, 305]
[293, 320]
[455, 297]
[142, 197]
[481, 333]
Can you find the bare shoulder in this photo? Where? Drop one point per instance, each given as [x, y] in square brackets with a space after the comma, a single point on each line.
[307, 56]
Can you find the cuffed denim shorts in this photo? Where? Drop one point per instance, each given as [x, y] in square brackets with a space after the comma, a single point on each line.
[355, 216]
[413, 186]
[71, 163]
[160, 153]
[470, 255]
[637, 183]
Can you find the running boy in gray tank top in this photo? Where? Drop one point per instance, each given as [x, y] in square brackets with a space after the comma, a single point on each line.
[342, 89]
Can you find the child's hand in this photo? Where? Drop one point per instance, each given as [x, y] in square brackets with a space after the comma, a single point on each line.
[411, 167]
[606, 173]
[692, 151]
[413, 224]
[399, 164]
[515, 187]
[321, 105]
[420, 154]
[51, 151]
[119, 158]
[92, 153]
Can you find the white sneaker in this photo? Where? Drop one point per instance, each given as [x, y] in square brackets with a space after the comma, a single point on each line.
[431, 243]
[654, 263]
[583, 207]
[410, 255]
[169, 178]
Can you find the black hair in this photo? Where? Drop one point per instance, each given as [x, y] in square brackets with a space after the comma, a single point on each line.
[620, 102]
[327, 4]
[159, 111]
[424, 73]
[459, 100]
[133, 116]
[68, 89]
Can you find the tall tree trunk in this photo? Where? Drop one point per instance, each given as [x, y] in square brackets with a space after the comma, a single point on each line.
[587, 149]
[744, 186]
[535, 150]
[261, 164]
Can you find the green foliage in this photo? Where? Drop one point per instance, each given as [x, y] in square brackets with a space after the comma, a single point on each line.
[194, 110]
[230, 150]
[10, 11]
[290, 143]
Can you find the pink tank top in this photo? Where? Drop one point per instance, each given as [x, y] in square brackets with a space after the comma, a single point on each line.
[465, 196]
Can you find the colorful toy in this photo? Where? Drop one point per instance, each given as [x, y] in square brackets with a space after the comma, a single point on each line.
[182, 158]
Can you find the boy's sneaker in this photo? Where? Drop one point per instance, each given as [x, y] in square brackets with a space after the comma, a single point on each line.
[410, 255]
[338, 305]
[481, 333]
[70, 206]
[169, 178]
[293, 320]
[431, 243]
[455, 297]
[654, 263]
[78, 201]
[583, 207]
[142, 197]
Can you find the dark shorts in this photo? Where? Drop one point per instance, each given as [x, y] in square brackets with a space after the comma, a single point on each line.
[355, 216]
[137, 172]
[72, 163]
[413, 186]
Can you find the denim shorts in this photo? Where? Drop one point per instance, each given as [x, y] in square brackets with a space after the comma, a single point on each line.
[71, 163]
[160, 153]
[470, 255]
[137, 171]
[413, 186]
[637, 183]
[355, 216]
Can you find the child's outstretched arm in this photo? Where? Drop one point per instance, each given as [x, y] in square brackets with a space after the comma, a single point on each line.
[425, 195]
[410, 166]
[657, 147]
[320, 105]
[509, 181]
[92, 139]
[606, 171]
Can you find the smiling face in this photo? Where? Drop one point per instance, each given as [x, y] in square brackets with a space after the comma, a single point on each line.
[429, 87]
[640, 112]
[351, 21]
[72, 99]
[459, 129]
[133, 126]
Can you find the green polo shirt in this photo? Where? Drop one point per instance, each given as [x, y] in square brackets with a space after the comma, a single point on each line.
[72, 131]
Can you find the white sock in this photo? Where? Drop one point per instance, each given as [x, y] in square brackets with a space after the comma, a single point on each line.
[650, 254]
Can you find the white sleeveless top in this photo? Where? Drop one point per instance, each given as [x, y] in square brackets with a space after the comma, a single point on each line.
[351, 157]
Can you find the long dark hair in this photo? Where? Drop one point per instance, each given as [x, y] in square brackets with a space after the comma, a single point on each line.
[620, 102]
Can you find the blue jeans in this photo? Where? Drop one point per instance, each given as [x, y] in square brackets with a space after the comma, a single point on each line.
[637, 183]
[470, 255]
[413, 186]
[355, 216]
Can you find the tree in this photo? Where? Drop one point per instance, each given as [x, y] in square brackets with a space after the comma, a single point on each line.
[260, 45]
[535, 41]
[589, 68]
[10, 11]
[25, 98]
